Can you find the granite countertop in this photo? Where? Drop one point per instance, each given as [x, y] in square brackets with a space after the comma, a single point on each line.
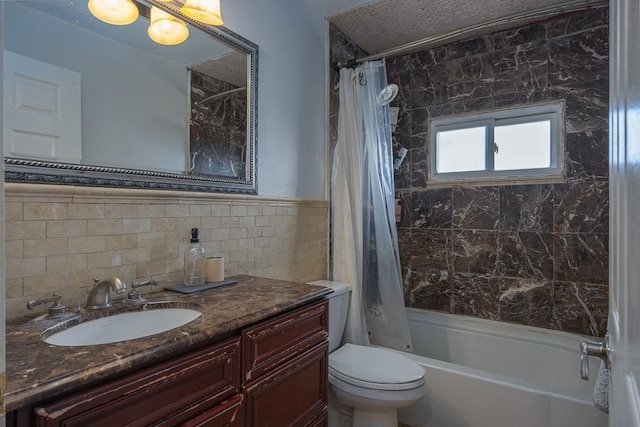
[36, 370]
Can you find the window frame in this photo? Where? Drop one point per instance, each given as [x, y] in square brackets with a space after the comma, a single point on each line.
[554, 111]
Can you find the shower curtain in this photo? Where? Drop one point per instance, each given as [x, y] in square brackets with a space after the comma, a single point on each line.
[364, 235]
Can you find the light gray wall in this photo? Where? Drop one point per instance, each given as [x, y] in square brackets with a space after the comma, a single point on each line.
[291, 93]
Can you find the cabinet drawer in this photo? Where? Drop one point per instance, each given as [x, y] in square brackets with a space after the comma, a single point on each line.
[293, 395]
[275, 341]
[209, 375]
[226, 414]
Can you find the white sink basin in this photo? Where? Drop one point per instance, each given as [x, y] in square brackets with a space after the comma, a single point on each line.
[123, 327]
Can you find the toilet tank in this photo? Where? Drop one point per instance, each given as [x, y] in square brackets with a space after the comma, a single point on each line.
[338, 309]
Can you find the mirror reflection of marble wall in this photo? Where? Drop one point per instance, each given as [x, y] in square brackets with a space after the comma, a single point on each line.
[134, 93]
[218, 123]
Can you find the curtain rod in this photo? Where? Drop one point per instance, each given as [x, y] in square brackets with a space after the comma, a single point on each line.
[220, 95]
[542, 13]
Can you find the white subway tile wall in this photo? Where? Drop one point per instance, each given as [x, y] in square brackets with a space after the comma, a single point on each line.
[58, 239]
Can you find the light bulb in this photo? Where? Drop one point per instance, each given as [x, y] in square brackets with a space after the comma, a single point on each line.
[207, 11]
[166, 29]
[115, 12]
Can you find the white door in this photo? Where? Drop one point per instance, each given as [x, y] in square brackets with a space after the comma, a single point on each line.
[624, 319]
[41, 110]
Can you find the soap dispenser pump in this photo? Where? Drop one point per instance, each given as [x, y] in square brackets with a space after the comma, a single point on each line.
[194, 258]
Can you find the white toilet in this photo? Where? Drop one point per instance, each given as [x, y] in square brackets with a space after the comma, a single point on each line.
[373, 382]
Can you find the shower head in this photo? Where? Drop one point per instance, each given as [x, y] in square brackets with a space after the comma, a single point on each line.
[387, 94]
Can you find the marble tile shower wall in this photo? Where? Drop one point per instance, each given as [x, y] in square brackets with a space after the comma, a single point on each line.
[529, 254]
[59, 238]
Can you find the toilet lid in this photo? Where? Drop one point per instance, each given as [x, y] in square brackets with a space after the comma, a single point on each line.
[375, 368]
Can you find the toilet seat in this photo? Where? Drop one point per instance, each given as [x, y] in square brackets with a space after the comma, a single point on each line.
[375, 368]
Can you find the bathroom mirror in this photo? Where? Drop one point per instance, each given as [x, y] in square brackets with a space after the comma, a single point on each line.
[89, 103]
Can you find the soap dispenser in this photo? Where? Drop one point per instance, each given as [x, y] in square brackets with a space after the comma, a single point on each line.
[194, 258]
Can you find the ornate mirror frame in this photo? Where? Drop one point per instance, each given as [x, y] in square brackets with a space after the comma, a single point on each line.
[43, 172]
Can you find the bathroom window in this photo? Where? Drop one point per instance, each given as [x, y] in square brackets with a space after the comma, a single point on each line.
[516, 145]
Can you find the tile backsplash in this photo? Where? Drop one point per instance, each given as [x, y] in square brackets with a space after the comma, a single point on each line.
[59, 238]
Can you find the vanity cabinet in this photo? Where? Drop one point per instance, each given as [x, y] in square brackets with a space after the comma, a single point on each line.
[273, 373]
[227, 414]
[286, 369]
[169, 393]
[293, 395]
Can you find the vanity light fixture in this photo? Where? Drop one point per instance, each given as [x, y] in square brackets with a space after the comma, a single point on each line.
[206, 11]
[165, 28]
[115, 12]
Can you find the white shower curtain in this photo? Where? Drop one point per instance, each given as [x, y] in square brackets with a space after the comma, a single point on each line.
[364, 235]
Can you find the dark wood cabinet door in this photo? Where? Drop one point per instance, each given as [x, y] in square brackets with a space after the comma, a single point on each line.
[180, 388]
[270, 343]
[321, 421]
[226, 414]
[295, 394]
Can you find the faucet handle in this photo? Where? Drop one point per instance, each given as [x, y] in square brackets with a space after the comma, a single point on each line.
[54, 310]
[150, 282]
[599, 349]
[135, 295]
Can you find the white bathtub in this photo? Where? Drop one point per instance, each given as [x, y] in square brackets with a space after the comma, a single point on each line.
[489, 374]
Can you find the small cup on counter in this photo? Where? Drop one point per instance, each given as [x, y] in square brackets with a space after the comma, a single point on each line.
[214, 269]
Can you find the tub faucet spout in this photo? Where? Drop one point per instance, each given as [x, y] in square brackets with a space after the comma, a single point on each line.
[100, 297]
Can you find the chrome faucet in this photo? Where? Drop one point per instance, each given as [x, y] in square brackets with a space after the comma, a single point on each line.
[99, 296]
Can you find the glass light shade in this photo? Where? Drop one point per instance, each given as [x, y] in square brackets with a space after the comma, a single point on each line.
[115, 12]
[166, 29]
[207, 11]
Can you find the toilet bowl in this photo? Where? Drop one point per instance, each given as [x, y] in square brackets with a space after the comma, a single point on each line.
[375, 382]
[371, 382]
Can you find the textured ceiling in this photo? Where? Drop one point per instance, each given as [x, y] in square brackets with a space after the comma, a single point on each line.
[230, 68]
[387, 24]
